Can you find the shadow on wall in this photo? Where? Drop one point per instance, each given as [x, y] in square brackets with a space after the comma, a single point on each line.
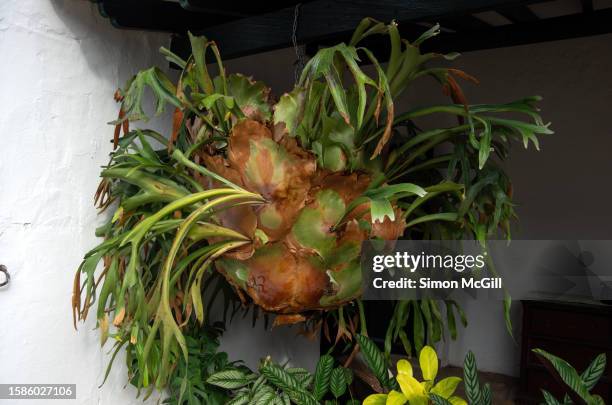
[126, 51]
[101, 43]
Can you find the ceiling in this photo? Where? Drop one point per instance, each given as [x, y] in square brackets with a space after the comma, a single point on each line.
[243, 28]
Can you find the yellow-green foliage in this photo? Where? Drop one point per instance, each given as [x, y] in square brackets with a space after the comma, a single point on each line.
[414, 392]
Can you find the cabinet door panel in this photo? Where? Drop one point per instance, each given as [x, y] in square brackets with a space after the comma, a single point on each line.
[581, 327]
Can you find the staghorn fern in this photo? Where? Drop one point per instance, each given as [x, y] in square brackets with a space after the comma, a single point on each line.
[277, 197]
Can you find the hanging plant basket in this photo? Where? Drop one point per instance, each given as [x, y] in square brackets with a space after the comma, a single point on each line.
[268, 200]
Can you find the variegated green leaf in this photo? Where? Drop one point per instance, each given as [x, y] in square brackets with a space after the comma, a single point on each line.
[374, 359]
[337, 382]
[594, 371]
[228, 379]
[567, 373]
[322, 376]
[470, 379]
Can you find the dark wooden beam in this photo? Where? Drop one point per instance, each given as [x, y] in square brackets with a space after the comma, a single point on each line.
[462, 23]
[323, 19]
[519, 14]
[205, 6]
[236, 8]
[550, 29]
[156, 15]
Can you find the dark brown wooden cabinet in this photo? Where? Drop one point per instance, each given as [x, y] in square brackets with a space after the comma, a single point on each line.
[576, 332]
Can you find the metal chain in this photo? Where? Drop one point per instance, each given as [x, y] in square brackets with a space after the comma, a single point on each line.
[299, 51]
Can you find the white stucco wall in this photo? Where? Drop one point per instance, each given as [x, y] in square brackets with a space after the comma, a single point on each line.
[60, 65]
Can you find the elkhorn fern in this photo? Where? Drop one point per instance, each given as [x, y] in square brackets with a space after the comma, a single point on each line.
[277, 197]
